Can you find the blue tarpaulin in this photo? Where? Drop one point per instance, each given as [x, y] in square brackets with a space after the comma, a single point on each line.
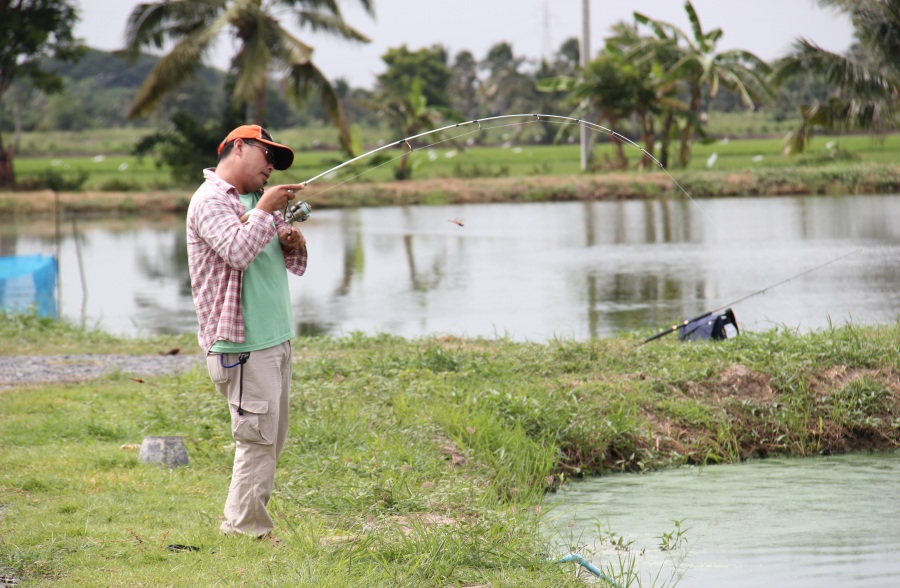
[28, 282]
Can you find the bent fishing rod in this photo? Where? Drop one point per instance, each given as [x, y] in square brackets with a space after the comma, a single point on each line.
[686, 322]
[478, 121]
[303, 209]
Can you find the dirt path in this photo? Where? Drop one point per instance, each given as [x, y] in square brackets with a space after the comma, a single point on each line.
[19, 370]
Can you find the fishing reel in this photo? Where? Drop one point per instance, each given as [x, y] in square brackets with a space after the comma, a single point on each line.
[297, 212]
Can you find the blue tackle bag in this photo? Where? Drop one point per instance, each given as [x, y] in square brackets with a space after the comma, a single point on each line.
[716, 326]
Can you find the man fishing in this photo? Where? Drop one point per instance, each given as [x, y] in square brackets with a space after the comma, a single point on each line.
[240, 289]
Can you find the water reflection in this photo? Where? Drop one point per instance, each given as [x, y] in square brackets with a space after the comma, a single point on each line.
[529, 271]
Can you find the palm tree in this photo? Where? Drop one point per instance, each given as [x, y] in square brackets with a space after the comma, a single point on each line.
[866, 82]
[263, 45]
[693, 60]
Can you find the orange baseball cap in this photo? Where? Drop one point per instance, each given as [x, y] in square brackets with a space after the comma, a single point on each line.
[284, 155]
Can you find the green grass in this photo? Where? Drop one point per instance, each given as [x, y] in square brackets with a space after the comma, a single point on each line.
[27, 334]
[107, 173]
[743, 124]
[87, 143]
[121, 140]
[409, 462]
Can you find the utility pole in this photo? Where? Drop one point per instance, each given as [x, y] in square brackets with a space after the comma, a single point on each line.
[585, 58]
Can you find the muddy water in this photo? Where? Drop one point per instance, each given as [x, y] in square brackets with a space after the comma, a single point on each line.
[786, 523]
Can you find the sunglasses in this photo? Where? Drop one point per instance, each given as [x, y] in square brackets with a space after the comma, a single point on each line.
[270, 156]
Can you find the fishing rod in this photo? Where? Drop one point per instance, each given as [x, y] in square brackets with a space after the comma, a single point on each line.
[300, 211]
[687, 322]
[478, 121]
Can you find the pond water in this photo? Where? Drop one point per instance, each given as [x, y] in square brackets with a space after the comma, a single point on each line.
[526, 271]
[790, 523]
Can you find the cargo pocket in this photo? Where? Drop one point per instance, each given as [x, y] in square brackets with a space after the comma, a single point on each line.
[218, 373]
[252, 426]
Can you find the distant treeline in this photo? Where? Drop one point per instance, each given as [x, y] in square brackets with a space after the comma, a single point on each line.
[100, 88]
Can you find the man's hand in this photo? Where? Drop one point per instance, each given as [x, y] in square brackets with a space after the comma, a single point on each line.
[277, 197]
[291, 238]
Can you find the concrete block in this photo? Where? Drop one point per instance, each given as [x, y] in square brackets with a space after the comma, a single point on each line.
[169, 451]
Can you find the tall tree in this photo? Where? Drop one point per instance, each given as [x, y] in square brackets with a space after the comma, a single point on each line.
[262, 43]
[568, 57]
[506, 88]
[554, 80]
[30, 31]
[428, 65]
[865, 83]
[464, 84]
[402, 99]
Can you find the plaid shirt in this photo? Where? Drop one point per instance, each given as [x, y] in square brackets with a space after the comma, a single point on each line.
[220, 248]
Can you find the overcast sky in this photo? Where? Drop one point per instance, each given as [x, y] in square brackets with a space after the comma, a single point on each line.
[534, 28]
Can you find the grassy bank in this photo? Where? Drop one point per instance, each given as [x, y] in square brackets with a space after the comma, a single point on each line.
[410, 462]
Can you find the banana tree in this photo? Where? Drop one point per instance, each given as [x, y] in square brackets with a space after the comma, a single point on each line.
[692, 60]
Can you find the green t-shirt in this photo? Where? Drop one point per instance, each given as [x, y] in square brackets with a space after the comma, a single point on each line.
[265, 298]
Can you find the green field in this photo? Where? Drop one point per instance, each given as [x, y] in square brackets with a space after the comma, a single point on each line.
[102, 157]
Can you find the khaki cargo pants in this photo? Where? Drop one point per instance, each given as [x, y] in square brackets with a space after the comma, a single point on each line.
[259, 433]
